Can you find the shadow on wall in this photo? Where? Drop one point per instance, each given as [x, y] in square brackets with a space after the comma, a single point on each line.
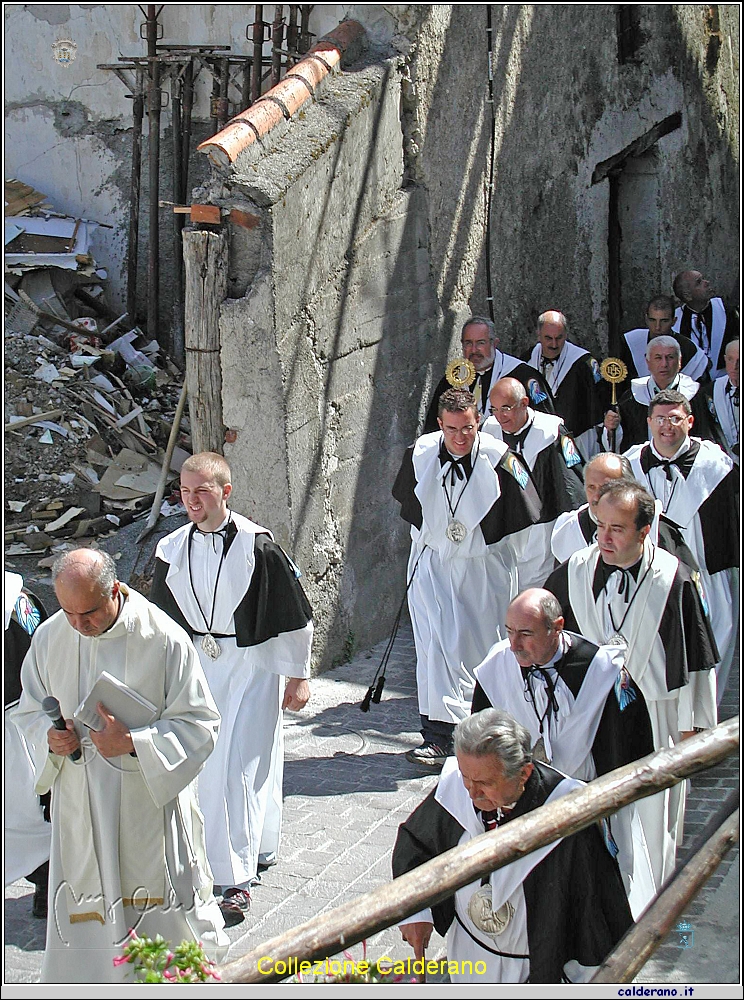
[410, 329]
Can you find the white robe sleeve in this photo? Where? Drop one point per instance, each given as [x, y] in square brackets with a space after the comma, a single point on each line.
[286, 654]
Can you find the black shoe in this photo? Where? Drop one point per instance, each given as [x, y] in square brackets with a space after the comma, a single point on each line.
[428, 755]
[234, 905]
[40, 906]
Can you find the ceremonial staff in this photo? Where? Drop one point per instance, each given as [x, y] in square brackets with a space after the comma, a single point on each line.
[614, 371]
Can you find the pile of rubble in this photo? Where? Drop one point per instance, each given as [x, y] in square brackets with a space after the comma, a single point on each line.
[88, 408]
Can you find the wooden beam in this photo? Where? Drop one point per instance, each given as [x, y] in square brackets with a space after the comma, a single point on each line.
[642, 940]
[637, 148]
[205, 259]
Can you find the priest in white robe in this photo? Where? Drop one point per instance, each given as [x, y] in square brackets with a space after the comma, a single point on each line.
[127, 837]
[624, 591]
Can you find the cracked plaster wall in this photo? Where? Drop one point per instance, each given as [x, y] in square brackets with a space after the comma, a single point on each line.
[563, 104]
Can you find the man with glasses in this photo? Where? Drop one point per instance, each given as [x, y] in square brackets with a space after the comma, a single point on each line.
[480, 346]
[467, 498]
[549, 452]
[696, 483]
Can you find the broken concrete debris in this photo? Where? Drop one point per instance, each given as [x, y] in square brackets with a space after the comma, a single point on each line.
[83, 449]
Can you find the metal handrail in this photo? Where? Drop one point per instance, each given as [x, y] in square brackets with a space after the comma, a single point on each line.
[437, 879]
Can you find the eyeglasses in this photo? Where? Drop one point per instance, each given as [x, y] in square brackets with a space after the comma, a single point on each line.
[673, 421]
[505, 409]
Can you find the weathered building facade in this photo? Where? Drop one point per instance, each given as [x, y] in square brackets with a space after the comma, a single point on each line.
[615, 163]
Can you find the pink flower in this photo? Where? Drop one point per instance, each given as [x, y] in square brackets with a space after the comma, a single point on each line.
[120, 960]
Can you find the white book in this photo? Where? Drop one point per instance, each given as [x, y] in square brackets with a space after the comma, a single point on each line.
[122, 701]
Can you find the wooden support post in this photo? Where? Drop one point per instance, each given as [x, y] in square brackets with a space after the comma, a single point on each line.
[644, 937]
[205, 260]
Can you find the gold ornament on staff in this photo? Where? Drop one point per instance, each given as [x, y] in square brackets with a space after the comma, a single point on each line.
[460, 373]
[613, 370]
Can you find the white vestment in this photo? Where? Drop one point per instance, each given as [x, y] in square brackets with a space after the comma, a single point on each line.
[637, 341]
[127, 835]
[460, 591]
[568, 736]
[715, 335]
[682, 499]
[726, 413]
[670, 712]
[240, 788]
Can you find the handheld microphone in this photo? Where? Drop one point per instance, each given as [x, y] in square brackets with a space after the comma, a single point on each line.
[51, 708]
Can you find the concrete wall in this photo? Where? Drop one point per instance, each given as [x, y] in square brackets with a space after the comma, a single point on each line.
[563, 104]
[326, 350]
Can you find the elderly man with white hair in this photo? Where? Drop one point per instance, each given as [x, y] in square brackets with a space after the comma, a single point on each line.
[663, 357]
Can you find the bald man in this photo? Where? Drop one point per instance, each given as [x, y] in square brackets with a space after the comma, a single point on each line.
[548, 450]
[127, 836]
[573, 376]
[562, 688]
[703, 318]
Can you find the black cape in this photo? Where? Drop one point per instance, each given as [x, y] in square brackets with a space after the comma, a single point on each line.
[684, 629]
[622, 737]
[580, 399]
[274, 602]
[719, 514]
[731, 331]
[576, 903]
[17, 642]
[559, 486]
[517, 507]
[525, 374]
[686, 346]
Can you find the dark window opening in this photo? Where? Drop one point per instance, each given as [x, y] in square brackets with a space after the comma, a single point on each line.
[630, 35]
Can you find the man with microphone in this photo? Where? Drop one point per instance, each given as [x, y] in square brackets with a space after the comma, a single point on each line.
[127, 836]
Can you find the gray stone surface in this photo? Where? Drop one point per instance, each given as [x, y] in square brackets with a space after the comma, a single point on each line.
[348, 786]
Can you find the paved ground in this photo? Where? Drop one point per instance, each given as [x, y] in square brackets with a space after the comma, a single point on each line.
[348, 786]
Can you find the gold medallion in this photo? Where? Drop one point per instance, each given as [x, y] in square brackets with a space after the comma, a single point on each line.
[460, 373]
[613, 370]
